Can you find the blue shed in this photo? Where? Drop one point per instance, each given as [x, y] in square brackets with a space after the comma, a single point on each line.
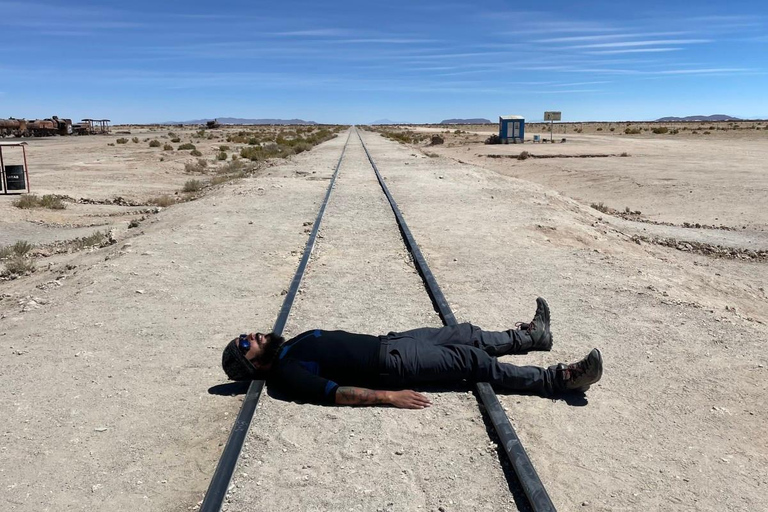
[511, 129]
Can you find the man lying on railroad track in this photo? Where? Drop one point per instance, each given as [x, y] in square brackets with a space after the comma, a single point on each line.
[338, 367]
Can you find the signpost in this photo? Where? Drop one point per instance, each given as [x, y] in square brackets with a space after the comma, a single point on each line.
[551, 116]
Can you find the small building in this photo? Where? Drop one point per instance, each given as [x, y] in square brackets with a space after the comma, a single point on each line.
[511, 129]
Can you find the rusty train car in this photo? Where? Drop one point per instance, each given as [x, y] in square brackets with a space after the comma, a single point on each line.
[41, 127]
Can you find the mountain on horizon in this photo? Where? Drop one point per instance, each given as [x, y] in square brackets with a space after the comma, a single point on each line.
[238, 121]
[716, 117]
[474, 120]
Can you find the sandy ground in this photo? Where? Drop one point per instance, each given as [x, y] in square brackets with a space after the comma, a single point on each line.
[127, 413]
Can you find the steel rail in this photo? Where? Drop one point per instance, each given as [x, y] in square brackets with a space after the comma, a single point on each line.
[217, 489]
[521, 463]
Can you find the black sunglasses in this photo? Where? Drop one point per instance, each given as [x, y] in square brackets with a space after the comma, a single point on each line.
[244, 344]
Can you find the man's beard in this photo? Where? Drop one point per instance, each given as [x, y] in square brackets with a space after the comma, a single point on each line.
[271, 346]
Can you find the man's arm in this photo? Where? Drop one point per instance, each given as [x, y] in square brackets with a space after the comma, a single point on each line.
[405, 399]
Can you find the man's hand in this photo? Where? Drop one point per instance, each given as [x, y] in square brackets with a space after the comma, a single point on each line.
[406, 399]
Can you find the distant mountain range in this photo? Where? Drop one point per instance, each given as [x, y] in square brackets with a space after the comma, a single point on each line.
[716, 117]
[476, 120]
[237, 120]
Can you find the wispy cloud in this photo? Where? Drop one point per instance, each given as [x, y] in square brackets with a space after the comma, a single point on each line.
[316, 32]
[604, 37]
[653, 42]
[634, 50]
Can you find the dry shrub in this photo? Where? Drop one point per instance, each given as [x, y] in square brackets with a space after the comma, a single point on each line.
[195, 152]
[660, 129]
[95, 240]
[18, 266]
[26, 201]
[221, 156]
[167, 147]
[135, 140]
[20, 248]
[52, 202]
[524, 156]
[154, 143]
[192, 186]
[176, 140]
[600, 207]
[164, 201]
[186, 146]
[200, 166]
[122, 140]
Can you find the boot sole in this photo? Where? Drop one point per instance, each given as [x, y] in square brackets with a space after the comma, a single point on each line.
[599, 374]
[545, 304]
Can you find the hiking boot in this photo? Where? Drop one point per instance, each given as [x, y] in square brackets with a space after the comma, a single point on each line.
[579, 376]
[538, 328]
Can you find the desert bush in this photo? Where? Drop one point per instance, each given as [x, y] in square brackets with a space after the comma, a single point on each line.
[97, 239]
[600, 207]
[674, 132]
[18, 266]
[233, 166]
[707, 132]
[224, 148]
[52, 202]
[26, 201]
[599, 128]
[195, 152]
[524, 155]
[221, 156]
[660, 129]
[49, 201]
[631, 131]
[192, 186]
[301, 147]
[122, 140]
[625, 154]
[164, 201]
[176, 140]
[493, 139]
[133, 224]
[612, 129]
[436, 139]
[172, 134]
[20, 248]
[186, 146]
[112, 144]
[432, 155]
[167, 147]
[154, 143]
[201, 166]
[135, 140]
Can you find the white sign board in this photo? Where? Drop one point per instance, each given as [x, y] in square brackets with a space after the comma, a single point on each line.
[552, 116]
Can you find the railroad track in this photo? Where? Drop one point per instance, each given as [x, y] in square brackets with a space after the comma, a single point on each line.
[526, 475]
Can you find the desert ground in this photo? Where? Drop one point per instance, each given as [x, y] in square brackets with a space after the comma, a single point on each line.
[112, 378]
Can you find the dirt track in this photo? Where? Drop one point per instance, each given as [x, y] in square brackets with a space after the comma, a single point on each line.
[136, 332]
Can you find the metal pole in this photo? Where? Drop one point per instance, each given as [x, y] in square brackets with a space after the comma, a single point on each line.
[2, 172]
[551, 125]
[26, 169]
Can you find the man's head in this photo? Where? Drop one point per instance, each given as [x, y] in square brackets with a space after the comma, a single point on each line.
[250, 356]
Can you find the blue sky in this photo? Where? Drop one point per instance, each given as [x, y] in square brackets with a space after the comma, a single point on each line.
[356, 62]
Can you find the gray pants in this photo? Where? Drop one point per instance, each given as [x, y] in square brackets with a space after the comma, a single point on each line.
[448, 355]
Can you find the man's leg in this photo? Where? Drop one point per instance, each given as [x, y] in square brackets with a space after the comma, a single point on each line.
[495, 343]
[410, 362]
